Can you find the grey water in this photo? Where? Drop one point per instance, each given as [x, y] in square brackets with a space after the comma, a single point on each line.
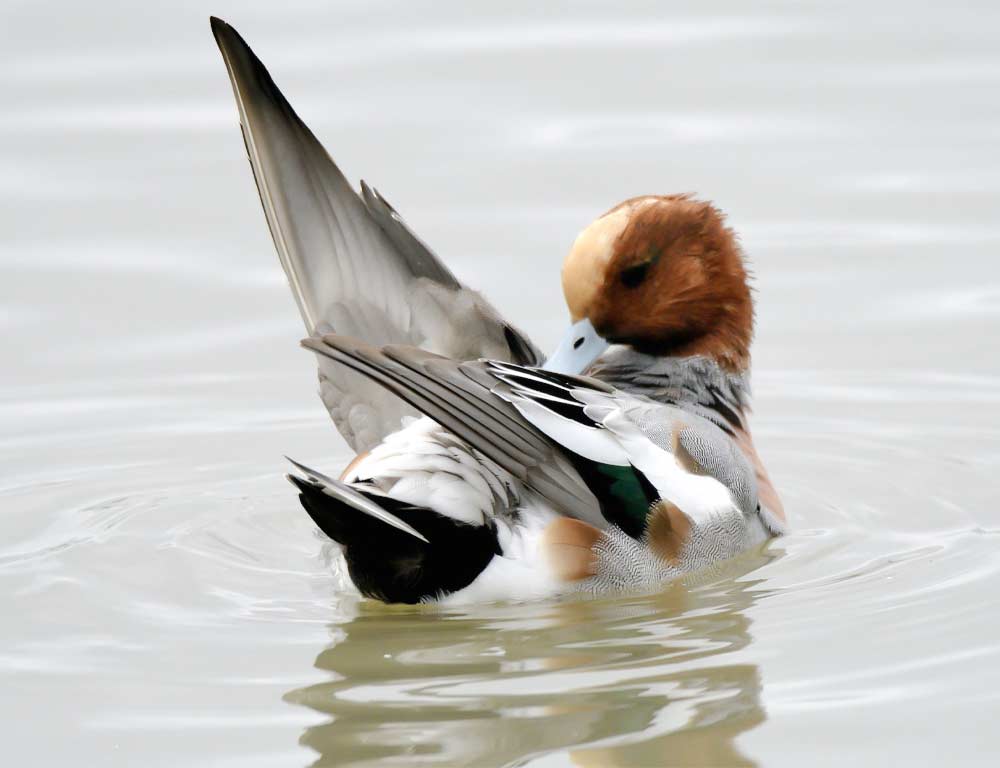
[164, 601]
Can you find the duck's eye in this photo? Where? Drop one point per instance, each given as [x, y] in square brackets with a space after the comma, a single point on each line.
[633, 276]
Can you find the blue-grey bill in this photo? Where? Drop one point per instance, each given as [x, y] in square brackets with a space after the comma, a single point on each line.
[580, 346]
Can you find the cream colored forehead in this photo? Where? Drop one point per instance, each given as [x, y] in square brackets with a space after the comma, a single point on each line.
[585, 265]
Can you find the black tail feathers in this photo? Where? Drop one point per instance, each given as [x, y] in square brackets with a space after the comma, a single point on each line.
[392, 565]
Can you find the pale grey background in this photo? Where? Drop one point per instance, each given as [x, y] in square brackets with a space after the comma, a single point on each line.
[164, 601]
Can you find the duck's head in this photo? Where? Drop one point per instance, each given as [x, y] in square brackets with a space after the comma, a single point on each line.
[664, 275]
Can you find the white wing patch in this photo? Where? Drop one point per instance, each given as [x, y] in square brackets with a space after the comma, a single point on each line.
[594, 444]
[700, 497]
[604, 433]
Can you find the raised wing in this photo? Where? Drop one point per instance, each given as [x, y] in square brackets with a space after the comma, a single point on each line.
[352, 263]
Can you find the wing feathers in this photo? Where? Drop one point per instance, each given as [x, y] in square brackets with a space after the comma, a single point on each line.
[426, 399]
[420, 259]
[351, 497]
[353, 265]
[443, 372]
[591, 443]
[451, 393]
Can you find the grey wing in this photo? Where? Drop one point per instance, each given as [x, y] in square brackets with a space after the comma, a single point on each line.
[463, 398]
[352, 263]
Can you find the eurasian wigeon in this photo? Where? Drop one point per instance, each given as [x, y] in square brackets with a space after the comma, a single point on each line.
[484, 472]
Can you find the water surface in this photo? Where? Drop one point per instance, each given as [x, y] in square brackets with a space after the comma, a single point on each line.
[166, 602]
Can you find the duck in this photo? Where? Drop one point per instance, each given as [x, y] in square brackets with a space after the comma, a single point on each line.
[485, 470]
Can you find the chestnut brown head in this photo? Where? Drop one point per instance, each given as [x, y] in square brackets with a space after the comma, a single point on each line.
[665, 275]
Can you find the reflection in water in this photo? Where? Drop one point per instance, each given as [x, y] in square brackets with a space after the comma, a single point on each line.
[646, 683]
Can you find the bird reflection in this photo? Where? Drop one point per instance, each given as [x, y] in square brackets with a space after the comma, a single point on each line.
[625, 681]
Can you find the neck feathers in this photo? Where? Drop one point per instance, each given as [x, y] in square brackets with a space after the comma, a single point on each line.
[698, 383]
